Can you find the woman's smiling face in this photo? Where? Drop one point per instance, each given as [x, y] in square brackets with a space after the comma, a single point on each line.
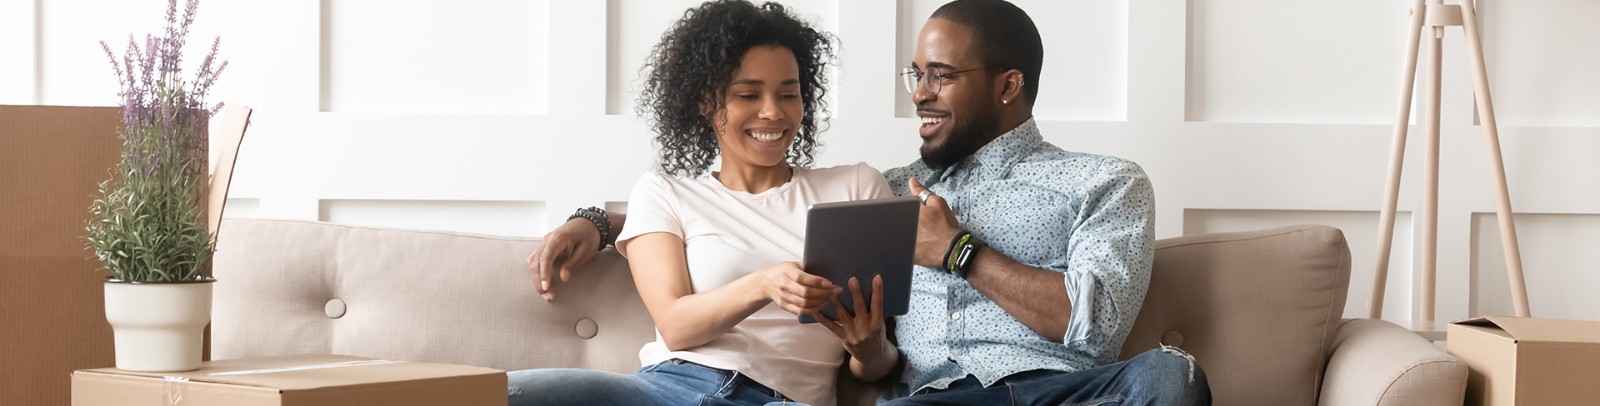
[762, 109]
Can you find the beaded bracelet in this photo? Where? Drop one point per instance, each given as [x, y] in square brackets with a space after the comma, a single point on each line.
[598, 217]
[951, 252]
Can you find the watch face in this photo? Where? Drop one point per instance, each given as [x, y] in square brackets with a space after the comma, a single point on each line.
[964, 258]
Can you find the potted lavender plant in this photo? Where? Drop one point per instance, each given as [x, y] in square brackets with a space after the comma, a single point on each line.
[149, 223]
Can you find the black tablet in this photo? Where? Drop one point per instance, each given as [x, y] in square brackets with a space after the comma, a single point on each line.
[863, 238]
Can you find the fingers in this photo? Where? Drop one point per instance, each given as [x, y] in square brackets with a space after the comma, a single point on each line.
[814, 291]
[796, 291]
[877, 296]
[932, 200]
[542, 261]
[544, 265]
[533, 271]
[856, 299]
[576, 260]
[833, 326]
[572, 245]
[809, 280]
[806, 299]
[845, 317]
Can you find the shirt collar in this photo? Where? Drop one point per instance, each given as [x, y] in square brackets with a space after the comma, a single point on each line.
[995, 159]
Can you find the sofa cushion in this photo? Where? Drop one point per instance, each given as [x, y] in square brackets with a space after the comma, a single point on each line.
[1257, 309]
[293, 287]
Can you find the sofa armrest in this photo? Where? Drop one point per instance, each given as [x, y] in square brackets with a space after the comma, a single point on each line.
[1375, 362]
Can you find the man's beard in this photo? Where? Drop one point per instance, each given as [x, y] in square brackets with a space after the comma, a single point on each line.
[966, 137]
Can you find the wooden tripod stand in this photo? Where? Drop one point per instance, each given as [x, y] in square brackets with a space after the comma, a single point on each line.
[1435, 16]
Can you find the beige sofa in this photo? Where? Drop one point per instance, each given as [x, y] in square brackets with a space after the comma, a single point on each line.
[1259, 310]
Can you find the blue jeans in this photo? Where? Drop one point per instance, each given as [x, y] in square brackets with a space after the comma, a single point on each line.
[1155, 377]
[672, 382]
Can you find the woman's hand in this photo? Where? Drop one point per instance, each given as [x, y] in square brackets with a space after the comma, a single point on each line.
[862, 332]
[796, 291]
[572, 244]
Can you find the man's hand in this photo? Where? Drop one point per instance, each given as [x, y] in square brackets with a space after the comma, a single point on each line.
[935, 228]
[794, 290]
[573, 245]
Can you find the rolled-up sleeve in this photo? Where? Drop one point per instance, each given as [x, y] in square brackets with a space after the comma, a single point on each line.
[1110, 255]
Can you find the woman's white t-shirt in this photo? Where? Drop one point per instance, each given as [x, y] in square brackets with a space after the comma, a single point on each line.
[729, 234]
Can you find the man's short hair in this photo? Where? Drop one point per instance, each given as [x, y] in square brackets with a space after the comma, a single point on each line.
[1002, 35]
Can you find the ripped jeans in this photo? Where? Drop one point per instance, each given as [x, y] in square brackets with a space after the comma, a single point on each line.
[1163, 376]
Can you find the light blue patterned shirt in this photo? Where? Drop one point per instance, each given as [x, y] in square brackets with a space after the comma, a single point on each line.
[1090, 217]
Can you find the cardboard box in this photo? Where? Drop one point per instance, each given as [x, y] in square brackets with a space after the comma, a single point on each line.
[52, 160]
[302, 380]
[1528, 361]
[53, 321]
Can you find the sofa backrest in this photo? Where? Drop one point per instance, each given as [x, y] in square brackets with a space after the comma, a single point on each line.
[293, 287]
[1257, 309]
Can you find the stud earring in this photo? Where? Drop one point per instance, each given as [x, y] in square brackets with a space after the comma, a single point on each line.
[1004, 101]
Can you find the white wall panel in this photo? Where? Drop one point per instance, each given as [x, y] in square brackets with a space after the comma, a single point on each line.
[481, 116]
[478, 56]
[1085, 59]
[73, 69]
[1560, 265]
[484, 217]
[1359, 230]
[17, 44]
[1292, 62]
[1542, 61]
[616, 207]
[242, 208]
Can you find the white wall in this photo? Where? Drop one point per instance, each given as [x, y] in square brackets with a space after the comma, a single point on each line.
[492, 115]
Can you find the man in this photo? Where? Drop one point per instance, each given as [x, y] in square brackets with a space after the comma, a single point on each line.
[1032, 261]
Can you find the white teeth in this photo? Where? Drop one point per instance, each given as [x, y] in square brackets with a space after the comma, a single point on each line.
[765, 136]
[932, 120]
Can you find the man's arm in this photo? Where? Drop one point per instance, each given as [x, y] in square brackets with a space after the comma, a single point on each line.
[1111, 248]
[572, 244]
[1036, 297]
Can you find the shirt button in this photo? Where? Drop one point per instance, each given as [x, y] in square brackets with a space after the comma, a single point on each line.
[955, 316]
[957, 352]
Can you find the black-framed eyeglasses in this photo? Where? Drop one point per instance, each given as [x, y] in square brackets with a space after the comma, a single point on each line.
[931, 80]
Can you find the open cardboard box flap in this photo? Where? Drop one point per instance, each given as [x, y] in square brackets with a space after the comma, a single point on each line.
[1523, 329]
[1528, 361]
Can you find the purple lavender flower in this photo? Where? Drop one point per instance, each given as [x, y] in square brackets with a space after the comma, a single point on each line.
[151, 211]
[157, 102]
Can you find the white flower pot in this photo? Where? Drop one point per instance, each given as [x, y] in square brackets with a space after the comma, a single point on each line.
[158, 327]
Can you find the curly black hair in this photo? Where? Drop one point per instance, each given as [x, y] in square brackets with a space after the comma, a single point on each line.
[694, 63]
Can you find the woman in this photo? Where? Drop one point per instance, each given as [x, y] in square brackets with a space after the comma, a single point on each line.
[712, 253]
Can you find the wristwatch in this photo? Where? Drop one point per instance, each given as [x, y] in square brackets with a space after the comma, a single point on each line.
[963, 255]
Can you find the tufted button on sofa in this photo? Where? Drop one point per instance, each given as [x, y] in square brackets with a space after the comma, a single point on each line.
[1259, 310]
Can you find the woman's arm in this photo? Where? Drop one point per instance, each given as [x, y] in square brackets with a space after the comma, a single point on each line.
[687, 319]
